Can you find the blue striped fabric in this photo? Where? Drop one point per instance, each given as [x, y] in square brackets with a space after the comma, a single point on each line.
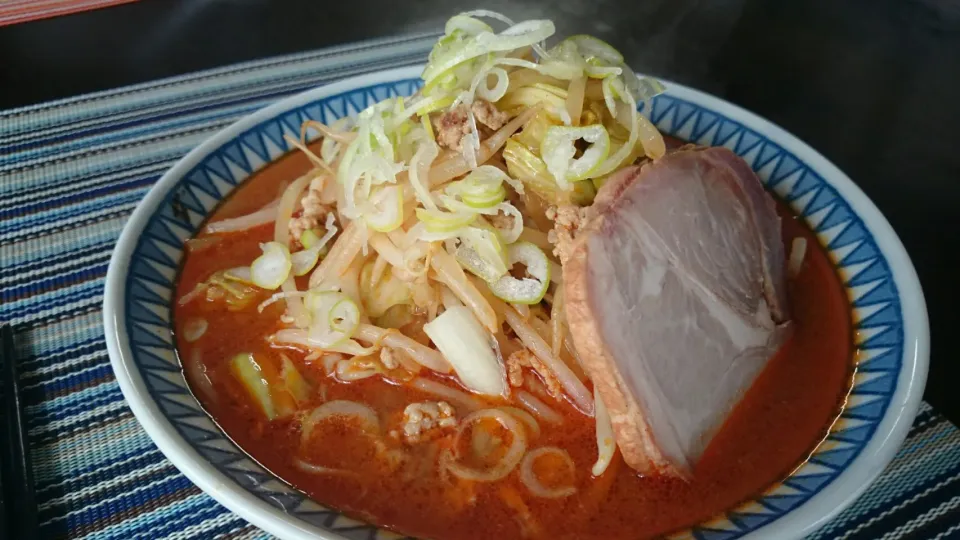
[71, 171]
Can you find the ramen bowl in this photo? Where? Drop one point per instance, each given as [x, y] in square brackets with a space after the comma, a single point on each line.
[887, 312]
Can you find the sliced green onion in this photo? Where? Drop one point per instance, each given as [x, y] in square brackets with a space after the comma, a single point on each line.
[563, 70]
[481, 189]
[591, 47]
[309, 238]
[483, 178]
[520, 35]
[344, 316]
[334, 317]
[597, 68]
[317, 238]
[616, 160]
[496, 92]
[443, 65]
[434, 104]
[475, 207]
[558, 150]
[565, 59]
[524, 290]
[420, 232]
[345, 176]
[271, 269]
[444, 43]
[304, 261]
[370, 160]
[386, 209]
[466, 24]
[319, 299]
[438, 221]
[445, 83]
[489, 14]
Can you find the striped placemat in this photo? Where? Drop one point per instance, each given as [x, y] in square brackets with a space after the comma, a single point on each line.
[71, 171]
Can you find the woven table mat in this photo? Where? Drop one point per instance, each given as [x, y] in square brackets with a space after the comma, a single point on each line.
[72, 171]
[20, 11]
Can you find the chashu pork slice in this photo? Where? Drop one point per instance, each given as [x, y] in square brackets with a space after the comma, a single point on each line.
[676, 300]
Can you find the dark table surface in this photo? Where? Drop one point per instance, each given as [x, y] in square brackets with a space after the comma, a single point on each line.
[874, 85]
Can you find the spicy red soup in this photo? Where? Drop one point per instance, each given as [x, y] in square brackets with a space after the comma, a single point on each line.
[369, 468]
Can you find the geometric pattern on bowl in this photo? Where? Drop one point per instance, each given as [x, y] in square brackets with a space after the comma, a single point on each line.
[877, 318]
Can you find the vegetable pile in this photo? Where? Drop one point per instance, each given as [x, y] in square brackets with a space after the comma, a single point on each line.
[424, 232]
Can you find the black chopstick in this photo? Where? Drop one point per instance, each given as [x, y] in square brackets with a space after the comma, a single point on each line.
[18, 514]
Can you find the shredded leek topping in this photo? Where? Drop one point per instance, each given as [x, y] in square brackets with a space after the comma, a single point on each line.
[420, 239]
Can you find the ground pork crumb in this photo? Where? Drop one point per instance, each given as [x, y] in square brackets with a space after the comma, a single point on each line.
[422, 421]
[524, 358]
[487, 114]
[568, 220]
[454, 124]
[502, 221]
[314, 212]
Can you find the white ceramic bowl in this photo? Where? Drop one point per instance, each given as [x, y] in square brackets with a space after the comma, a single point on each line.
[889, 315]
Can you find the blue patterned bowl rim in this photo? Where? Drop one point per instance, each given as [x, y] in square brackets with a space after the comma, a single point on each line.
[889, 314]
